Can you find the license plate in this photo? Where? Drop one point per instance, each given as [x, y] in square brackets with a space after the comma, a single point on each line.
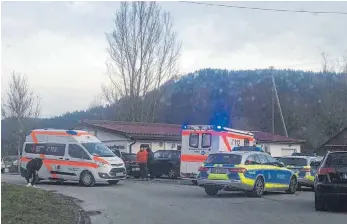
[119, 174]
[219, 170]
[135, 169]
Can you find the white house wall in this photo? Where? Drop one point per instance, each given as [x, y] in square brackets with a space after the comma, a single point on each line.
[278, 150]
[156, 145]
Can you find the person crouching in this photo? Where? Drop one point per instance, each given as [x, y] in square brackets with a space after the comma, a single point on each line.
[33, 168]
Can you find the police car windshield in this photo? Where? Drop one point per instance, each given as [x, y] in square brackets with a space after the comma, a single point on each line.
[294, 161]
[224, 159]
[98, 149]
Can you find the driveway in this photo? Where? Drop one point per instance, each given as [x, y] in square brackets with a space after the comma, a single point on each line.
[170, 202]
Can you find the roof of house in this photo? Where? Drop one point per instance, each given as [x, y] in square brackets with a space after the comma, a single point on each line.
[139, 130]
[334, 136]
[266, 137]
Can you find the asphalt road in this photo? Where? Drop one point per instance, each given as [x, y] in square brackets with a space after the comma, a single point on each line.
[171, 202]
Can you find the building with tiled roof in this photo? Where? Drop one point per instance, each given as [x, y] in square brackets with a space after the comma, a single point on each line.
[128, 136]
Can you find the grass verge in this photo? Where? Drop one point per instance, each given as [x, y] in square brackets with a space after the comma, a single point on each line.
[26, 205]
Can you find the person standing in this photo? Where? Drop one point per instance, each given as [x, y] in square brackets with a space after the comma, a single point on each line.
[142, 159]
[150, 160]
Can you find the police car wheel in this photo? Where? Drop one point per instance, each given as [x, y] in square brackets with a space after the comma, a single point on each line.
[212, 191]
[292, 186]
[87, 179]
[258, 189]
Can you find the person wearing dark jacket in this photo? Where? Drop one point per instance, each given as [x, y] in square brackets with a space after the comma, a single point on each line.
[33, 168]
[150, 160]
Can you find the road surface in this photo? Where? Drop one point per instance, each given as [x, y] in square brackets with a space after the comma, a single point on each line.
[169, 202]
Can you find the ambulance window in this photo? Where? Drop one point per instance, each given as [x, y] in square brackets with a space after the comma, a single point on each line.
[76, 151]
[206, 140]
[194, 140]
[35, 148]
[55, 149]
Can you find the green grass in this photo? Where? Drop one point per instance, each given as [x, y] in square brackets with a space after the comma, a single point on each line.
[21, 204]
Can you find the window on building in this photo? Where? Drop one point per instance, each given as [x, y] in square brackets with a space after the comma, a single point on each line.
[76, 151]
[173, 145]
[194, 140]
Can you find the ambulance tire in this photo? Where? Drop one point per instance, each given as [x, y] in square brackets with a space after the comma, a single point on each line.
[258, 189]
[212, 191]
[87, 179]
[292, 186]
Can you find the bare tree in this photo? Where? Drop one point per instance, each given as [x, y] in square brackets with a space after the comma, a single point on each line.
[21, 103]
[325, 62]
[144, 52]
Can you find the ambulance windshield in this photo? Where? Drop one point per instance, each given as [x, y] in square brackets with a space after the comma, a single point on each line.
[98, 149]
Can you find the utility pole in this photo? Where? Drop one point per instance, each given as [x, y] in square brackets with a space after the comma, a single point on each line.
[272, 104]
[278, 103]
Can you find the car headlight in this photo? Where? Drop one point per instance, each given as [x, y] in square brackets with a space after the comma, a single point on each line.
[100, 164]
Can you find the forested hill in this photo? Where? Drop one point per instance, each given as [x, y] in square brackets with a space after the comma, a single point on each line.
[314, 105]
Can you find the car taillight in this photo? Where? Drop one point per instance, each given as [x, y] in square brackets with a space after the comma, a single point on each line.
[238, 170]
[202, 168]
[325, 170]
[305, 170]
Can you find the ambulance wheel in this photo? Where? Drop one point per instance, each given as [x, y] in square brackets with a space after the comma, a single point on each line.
[292, 186]
[212, 191]
[87, 179]
[113, 182]
[258, 189]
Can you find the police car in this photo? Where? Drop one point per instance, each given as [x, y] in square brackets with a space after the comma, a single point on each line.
[301, 165]
[247, 169]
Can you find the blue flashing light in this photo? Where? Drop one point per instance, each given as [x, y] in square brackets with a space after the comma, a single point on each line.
[71, 132]
[219, 127]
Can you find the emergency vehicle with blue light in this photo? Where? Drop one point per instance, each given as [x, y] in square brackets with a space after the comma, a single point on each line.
[250, 170]
[72, 155]
[198, 141]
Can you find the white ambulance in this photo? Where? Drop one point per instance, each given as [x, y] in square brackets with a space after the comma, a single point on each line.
[198, 141]
[72, 155]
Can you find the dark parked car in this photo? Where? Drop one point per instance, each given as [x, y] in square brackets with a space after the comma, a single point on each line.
[129, 159]
[331, 181]
[167, 162]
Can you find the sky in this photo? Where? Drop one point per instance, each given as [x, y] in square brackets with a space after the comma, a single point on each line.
[62, 49]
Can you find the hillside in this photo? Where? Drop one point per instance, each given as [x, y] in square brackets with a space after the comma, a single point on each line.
[314, 105]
